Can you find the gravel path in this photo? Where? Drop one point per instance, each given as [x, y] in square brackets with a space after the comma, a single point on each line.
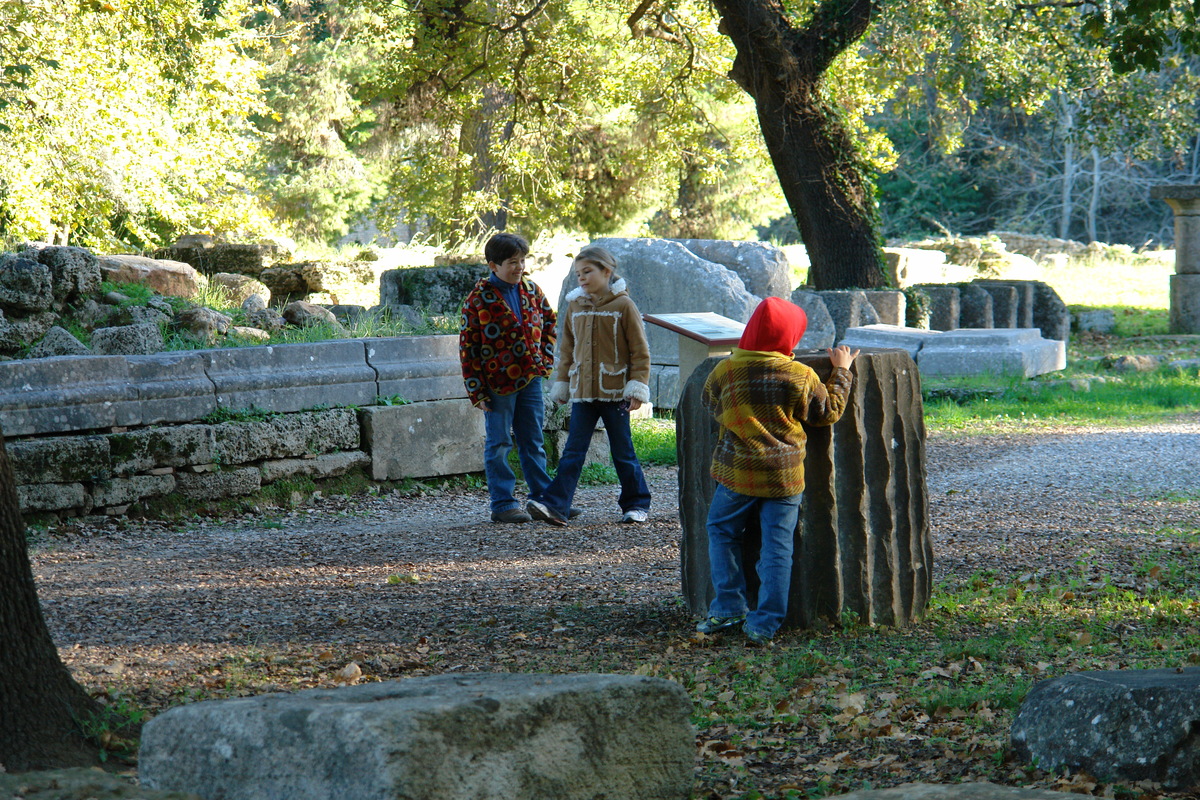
[405, 585]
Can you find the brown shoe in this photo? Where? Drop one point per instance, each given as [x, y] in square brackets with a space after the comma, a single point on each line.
[545, 514]
[511, 515]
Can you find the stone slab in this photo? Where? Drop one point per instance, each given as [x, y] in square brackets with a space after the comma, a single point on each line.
[417, 367]
[957, 791]
[442, 437]
[328, 465]
[1005, 305]
[899, 337]
[482, 737]
[995, 351]
[889, 305]
[218, 485]
[123, 491]
[1128, 725]
[292, 377]
[54, 497]
[60, 459]
[64, 393]
[171, 387]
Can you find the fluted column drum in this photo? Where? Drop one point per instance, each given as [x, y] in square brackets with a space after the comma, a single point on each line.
[862, 544]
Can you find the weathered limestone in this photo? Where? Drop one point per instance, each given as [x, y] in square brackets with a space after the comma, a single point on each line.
[218, 485]
[1100, 320]
[1005, 305]
[821, 332]
[956, 791]
[1127, 725]
[53, 395]
[889, 305]
[1011, 351]
[123, 491]
[863, 543]
[1185, 303]
[25, 284]
[58, 342]
[437, 289]
[329, 465]
[762, 267]
[164, 276]
[849, 309]
[128, 340]
[666, 278]
[910, 340]
[1025, 300]
[476, 737]
[59, 459]
[282, 377]
[416, 367]
[944, 309]
[209, 256]
[974, 307]
[417, 440]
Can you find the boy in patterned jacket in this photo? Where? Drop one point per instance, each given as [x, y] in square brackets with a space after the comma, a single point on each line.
[506, 345]
[762, 398]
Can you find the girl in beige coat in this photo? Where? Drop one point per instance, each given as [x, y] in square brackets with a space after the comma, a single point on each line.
[603, 369]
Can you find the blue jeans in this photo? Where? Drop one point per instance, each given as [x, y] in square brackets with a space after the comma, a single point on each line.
[514, 418]
[584, 415]
[727, 518]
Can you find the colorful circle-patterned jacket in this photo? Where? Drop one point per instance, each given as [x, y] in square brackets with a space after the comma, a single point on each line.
[500, 353]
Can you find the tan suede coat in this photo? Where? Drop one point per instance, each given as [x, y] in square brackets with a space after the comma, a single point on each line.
[602, 351]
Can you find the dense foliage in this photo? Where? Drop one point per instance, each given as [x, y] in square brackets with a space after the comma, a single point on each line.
[127, 124]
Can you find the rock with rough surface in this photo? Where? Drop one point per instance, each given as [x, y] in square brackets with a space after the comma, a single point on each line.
[74, 270]
[305, 315]
[763, 267]
[438, 290]
[173, 278]
[664, 277]
[203, 324]
[451, 737]
[974, 307]
[16, 332]
[77, 783]
[862, 545]
[241, 287]
[25, 284]
[820, 332]
[128, 340]
[59, 342]
[849, 309]
[943, 305]
[1119, 725]
[957, 791]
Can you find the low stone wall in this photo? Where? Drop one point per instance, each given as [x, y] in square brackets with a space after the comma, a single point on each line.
[99, 434]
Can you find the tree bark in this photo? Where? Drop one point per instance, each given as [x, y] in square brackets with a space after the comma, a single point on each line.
[40, 703]
[819, 169]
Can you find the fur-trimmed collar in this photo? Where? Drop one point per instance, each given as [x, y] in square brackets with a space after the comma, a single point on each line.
[616, 287]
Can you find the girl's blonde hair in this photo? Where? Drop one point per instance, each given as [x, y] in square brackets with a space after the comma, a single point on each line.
[600, 257]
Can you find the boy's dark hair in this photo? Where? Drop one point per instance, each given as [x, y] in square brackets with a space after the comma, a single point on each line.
[504, 246]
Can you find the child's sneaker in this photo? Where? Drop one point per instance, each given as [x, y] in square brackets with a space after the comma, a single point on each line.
[754, 639]
[635, 515]
[718, 624]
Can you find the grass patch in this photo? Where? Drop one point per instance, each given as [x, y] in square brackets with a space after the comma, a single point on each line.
[1116, 400]
[654, 441]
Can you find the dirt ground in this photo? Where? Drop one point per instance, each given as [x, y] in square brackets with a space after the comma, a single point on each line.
[382, 587]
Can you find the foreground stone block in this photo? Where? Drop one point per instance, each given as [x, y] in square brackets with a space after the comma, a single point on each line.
[292, 377]
[1128, 725]
[480, 737]
[66, 393]
[862, 544]
[444, 437]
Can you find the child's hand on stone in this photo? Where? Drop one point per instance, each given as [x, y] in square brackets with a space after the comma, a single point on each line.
[841, 356]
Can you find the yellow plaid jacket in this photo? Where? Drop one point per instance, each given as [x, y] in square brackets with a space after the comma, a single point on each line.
[762, 401]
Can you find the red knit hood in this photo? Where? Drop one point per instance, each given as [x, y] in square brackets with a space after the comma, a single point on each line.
[776, 325]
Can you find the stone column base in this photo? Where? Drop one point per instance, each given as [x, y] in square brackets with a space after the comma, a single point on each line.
[1185, 304]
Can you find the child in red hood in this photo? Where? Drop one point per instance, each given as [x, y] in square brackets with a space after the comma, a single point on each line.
[762, 398]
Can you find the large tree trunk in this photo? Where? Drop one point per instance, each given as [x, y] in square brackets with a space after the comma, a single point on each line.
[820, 172]
[40, 704]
